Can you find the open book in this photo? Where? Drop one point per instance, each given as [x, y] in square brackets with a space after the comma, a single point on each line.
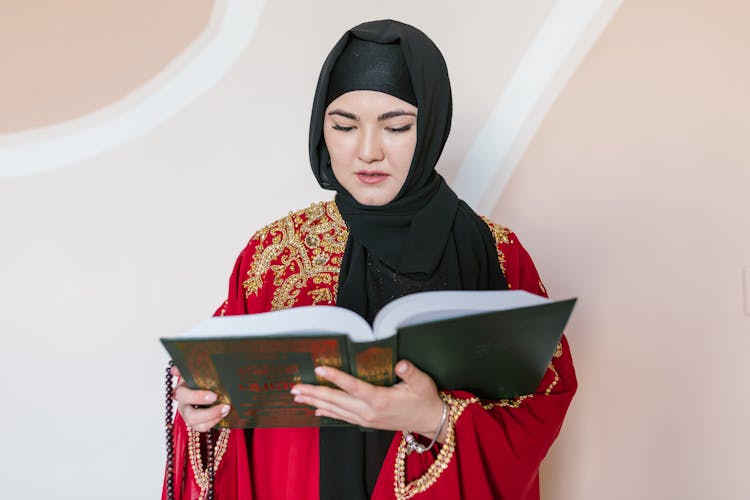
[495, 344]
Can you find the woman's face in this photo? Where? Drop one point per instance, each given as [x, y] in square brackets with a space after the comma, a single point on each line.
[371, 138]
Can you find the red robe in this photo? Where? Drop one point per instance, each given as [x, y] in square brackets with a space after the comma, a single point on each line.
[493, 449]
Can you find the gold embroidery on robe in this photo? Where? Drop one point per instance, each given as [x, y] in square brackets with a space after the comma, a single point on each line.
[501, 235]
[302, 250]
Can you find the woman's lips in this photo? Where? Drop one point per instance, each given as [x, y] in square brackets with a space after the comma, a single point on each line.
[371, 177]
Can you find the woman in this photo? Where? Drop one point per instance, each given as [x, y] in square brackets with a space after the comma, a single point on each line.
[380, 119]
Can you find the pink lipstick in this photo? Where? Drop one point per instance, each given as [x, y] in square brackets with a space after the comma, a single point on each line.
[371, 176]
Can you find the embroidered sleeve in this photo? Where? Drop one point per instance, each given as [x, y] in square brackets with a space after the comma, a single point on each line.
[502, 237]
[293, 261]
[515, 433]
[301, 256]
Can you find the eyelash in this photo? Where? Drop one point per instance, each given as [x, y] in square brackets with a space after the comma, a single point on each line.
[399, 130]
[343, 129]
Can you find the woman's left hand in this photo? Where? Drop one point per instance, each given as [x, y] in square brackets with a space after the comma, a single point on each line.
[413, 404]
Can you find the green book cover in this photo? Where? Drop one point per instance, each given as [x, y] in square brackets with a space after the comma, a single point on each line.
[494, 355]
[495, 344]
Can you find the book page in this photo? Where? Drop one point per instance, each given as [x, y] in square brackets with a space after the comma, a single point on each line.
[426, 307]
[297, 321]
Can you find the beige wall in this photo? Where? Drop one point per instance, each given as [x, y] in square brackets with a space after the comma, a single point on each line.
[635, 196]
[101, 257]
[62, 60]
[630, 196]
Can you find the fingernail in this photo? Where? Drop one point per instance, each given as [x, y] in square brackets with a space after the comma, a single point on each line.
[225, 410]
[401, 368]
[295, 391]
[299, 399]
[320, 371]
[210, 397]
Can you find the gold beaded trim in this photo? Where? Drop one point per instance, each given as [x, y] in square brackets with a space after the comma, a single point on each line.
[456, 406]
[506, 403]
[548, 391]
[404, 491]
[516, 402]
[194, 452]
[500, 233]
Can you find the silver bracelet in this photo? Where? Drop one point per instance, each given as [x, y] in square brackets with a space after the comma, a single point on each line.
[413, 445]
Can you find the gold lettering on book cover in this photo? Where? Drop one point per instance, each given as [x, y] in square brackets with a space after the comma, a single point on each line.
[261, 374]
[375, 365]
[202, 367]
[306, 248]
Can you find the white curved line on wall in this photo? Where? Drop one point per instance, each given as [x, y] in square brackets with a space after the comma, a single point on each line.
[199, 68]
[564, 38]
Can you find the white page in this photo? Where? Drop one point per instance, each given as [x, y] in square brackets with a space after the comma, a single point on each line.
[434, 306]
[315, 320]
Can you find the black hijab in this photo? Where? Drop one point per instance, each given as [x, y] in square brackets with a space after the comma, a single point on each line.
[425, 239]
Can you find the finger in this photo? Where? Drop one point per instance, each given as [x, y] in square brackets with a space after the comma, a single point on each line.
[202, 419]
[204, 427]
[326, 409]
[183, 394]
[330, 414]
[322, 396]
[354, 386]
[413, 376]
[175, 371]
[333, 400]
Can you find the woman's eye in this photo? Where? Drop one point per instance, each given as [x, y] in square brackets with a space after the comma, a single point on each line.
[343, 129]
[398, 130]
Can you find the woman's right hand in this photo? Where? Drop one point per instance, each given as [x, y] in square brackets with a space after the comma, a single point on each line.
[198, 419]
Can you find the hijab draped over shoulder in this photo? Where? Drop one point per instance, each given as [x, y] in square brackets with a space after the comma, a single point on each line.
[425, 239]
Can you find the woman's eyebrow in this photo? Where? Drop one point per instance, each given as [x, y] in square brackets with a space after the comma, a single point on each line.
[393, 114]
[384, 116]
[343, 113]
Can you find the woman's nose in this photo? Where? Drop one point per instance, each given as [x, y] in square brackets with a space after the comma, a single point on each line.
[370, 146]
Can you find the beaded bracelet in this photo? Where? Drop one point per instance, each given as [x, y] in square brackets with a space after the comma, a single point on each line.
[413, 445]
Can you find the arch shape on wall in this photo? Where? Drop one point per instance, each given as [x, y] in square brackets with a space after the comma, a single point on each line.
[564, 38]
[231, 28]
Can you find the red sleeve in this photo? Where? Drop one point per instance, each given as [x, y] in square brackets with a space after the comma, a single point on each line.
[233, 481]
[276, 270]
[493, 448]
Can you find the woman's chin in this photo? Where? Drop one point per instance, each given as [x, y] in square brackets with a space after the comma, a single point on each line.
[374, 199]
